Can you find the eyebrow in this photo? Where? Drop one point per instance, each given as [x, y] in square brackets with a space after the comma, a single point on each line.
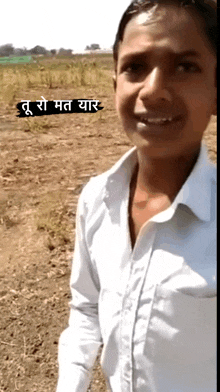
[186, 53]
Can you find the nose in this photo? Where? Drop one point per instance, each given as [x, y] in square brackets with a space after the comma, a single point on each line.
[154, 88]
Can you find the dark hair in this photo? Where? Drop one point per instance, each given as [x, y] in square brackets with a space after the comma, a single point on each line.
[205, 8]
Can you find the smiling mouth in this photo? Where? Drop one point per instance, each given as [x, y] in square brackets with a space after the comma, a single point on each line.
[157, 120]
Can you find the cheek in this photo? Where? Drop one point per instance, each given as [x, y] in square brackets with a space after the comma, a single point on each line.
[125, 99]
[202, 95]
[199, 105]
[199, 101]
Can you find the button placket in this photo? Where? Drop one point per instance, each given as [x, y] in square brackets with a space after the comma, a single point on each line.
[128, 318]
[138, 271]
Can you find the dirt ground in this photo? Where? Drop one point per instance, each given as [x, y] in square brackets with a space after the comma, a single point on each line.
[42, 173]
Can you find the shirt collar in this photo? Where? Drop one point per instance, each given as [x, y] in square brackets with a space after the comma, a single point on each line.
[195, 192]
[119, 177]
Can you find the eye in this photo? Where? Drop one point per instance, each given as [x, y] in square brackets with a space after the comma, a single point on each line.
[188, 67]
[134, 68]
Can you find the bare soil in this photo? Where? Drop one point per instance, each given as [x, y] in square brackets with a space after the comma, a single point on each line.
[42, 171]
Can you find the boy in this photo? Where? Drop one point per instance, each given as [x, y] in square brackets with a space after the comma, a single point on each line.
[143, 280]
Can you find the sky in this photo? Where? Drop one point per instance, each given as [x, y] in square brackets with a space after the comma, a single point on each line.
[70, 24]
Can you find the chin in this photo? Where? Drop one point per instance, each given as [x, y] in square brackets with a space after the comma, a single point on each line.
[157, 148]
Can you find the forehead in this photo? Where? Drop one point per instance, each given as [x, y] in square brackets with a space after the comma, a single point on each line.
[166, 27]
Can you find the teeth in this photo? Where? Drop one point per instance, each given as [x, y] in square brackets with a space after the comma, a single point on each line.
[156, 120]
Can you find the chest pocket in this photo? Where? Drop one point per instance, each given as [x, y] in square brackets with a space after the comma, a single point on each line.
[182, 328]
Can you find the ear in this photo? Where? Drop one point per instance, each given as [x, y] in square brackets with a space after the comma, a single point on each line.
[114, 79]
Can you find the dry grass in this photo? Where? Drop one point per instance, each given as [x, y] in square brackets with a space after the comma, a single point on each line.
[51, 75]
[37, 125]
[52, 217]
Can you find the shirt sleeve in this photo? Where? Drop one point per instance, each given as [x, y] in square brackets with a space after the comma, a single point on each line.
[79, 343]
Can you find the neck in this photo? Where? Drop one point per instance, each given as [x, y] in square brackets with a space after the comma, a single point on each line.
[163, 176]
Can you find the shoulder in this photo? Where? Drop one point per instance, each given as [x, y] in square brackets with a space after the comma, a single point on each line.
[94, 191]
[213, 178]
[97, 189]
[211, 182]
[213, 170]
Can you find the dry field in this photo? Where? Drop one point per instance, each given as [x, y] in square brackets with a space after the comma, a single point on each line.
[44, 163]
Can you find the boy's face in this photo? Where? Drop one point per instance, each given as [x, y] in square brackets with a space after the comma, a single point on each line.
[165, 81]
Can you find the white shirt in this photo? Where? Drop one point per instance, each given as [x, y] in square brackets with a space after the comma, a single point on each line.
[153, 308]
